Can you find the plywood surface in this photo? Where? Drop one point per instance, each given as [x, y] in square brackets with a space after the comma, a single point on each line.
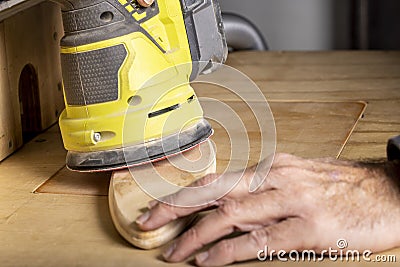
[373, 77]
[33, 37]
[9, 141]
[46, 229]
[30, 37]
[325, 124]
[73, 183]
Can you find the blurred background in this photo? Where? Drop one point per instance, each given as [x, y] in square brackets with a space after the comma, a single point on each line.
[323, 24]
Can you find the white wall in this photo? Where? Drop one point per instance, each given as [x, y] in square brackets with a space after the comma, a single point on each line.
[297, 24]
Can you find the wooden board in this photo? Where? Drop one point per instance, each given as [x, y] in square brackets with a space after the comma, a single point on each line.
[297, 124]
[326, 124]
[131, 190]
[369, 76]
[30, 37]
[40, 29]
[73, 229]
[9, 140]
[45, 229]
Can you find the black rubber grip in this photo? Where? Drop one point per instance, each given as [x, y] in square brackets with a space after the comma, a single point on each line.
[92, 77]
[95, 21]
[91, 17]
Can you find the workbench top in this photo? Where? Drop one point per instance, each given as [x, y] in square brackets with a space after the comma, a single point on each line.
[355, 96]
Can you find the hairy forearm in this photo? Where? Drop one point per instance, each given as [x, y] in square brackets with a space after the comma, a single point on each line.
[388, 171]
[327, 199]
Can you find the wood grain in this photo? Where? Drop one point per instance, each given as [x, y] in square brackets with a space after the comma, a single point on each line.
[371, 77]
[326, 124]
[128, 199]
[46, 229]
[9, 139]
[30, 37]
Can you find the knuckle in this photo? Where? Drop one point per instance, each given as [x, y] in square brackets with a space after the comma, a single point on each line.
[170, 200]
[167, 210]
[229, 208]
[281, 157]
[226, 248]
[259, 238]
[192, 234]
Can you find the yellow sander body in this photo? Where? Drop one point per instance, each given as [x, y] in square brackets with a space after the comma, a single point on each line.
[126, 72]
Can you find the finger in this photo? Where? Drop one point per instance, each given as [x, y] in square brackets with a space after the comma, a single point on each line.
[163, 213]
[145, 3]
[253, 212]
[209, 190]
[287, 235]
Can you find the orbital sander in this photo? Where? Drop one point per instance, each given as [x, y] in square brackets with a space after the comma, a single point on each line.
[126, 78]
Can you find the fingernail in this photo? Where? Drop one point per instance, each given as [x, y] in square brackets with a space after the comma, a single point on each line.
[152, 203]
[149, 2]
[168, 252]
[143, 218]
[202, 257]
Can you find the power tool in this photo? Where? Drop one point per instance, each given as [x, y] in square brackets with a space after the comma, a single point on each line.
[126, 73]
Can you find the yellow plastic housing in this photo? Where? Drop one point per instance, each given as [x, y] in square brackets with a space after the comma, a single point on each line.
[149, 81]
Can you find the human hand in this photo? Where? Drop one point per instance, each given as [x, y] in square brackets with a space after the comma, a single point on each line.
[145, 3]
[302, 204]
